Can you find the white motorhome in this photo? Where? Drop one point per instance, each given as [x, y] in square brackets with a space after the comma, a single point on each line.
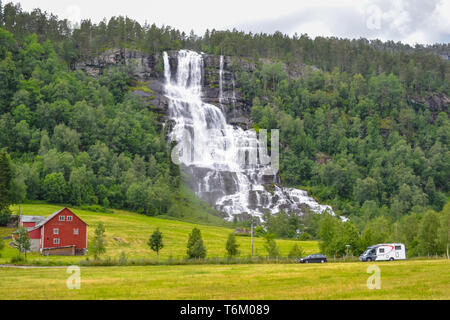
[385, 252]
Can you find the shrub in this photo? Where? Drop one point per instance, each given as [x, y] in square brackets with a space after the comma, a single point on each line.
[97, 208]
[123, 260]
[305, 236]
[296, 252]
[5, 215]
[271, 246]
[18, 259]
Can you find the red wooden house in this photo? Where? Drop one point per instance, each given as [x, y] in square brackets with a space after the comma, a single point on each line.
[62, 233]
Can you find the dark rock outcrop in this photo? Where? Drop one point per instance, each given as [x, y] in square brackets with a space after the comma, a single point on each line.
[148, 68]
[141, 66]
[13, 221]
[232, 102]
[436, 103]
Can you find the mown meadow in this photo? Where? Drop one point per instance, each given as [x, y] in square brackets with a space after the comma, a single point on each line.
[412, 279]
[128, 233]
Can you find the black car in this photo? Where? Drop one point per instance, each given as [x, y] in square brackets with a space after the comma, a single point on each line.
[314, 258]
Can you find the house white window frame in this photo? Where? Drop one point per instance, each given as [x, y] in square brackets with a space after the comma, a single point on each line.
[55, 230]
[76, 231]
[69, 218]
[56, 241]
[62, 218]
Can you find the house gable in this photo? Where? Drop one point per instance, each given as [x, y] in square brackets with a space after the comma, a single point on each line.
[61, 229]
[60, 232]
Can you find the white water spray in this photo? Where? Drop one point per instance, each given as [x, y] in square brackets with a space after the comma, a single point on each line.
[223, 162]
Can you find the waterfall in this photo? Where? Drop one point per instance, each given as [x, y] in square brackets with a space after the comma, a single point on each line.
[233, 98]
[223, 163]
[221, 81]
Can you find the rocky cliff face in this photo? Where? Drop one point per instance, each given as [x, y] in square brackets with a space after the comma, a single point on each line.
[148, 69]
[144, 64]
[436, 103]
[227, 170]
[235, 107]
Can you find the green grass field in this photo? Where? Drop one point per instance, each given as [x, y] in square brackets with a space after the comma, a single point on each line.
[416, 279]
[129, 232]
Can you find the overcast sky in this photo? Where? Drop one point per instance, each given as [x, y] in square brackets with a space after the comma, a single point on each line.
[413, 21]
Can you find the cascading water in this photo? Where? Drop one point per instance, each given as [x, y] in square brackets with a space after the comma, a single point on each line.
[221, 81]
[225, 164]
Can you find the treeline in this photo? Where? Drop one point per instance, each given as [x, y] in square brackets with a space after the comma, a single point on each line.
[78, 140]
[425, 234]
[418, 69]
[361, 145]
[352, 133]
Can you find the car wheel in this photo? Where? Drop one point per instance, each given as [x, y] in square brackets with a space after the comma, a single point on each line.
[322, 261]
[306, 261]
[391, 259]
[369, 259]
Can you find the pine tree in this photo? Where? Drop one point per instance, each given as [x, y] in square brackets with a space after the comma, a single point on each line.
[22, 241]
[156, 241]
[428, 234]
[271, 246]
[1, 13]
[444, 230]
[98, 245]
[5, 186]
[195, 247]
[232, 246]
[5, 179]
[296, 252]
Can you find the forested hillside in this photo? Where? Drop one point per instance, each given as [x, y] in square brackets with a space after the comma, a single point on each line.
[365, 129]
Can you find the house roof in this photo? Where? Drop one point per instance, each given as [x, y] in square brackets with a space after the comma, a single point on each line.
[36, 219]
[50, 217]
[40, 224]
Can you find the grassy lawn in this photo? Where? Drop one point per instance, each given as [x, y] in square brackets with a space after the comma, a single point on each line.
[5, 232]
[129, 232]
[424, 279]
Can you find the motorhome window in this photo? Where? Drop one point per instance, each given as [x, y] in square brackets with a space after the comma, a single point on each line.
[381, 250]
[398, 247]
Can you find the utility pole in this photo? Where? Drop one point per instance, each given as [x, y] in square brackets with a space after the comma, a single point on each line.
[251, 232]
[347, 246]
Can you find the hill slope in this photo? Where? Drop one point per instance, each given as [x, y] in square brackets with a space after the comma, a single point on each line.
[129, 232]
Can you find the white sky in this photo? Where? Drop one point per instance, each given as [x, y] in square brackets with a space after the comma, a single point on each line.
[409, 21]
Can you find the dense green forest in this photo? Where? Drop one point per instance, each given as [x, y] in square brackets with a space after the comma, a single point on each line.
[355, 141]
[78, 140]
[419, 71]
[356, 130]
